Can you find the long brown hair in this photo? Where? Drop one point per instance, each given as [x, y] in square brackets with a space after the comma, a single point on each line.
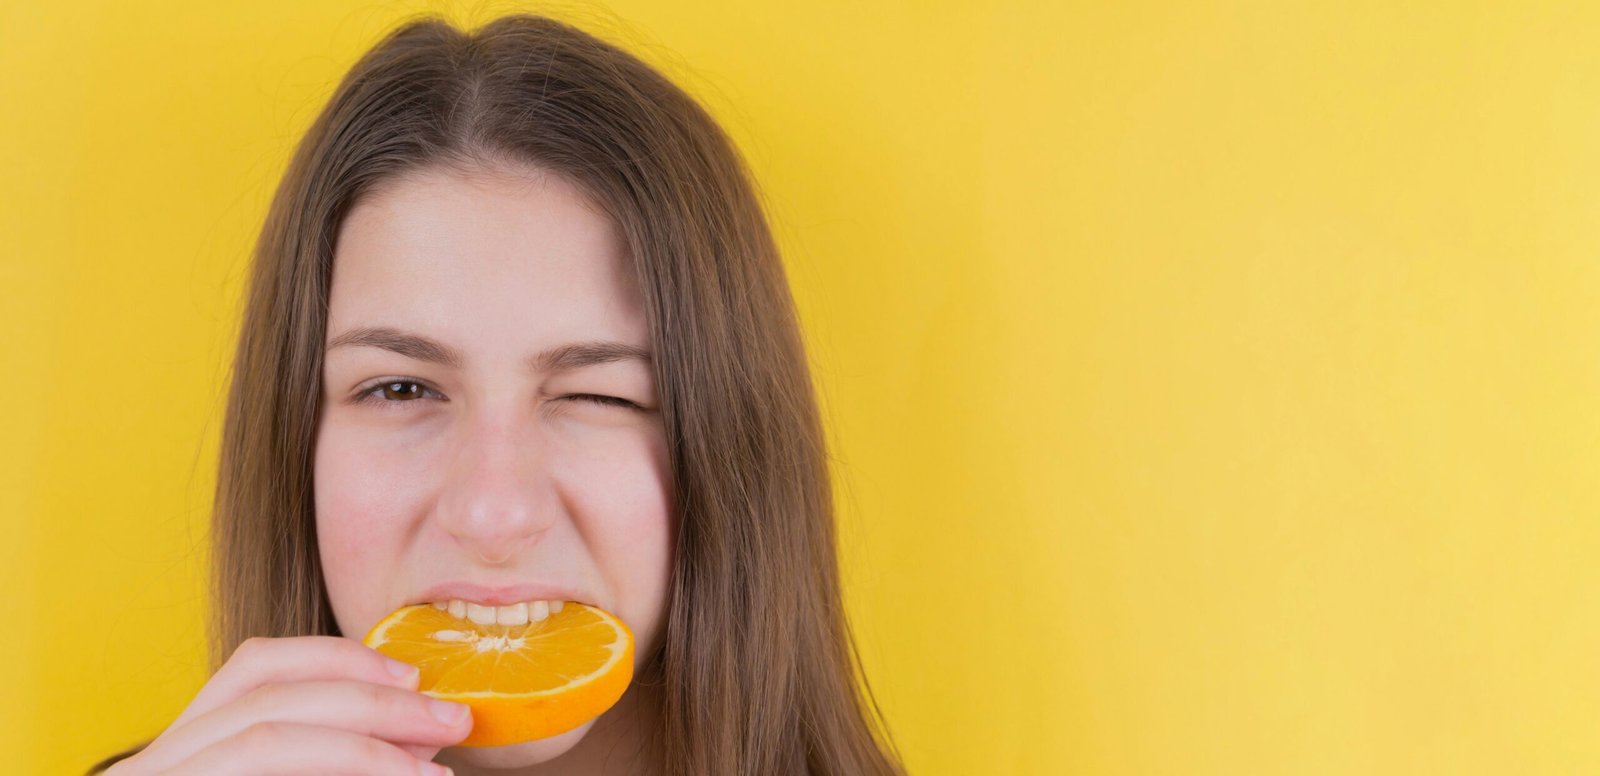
[758, 666]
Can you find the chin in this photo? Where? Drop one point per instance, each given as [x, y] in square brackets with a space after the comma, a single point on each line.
[518, 755]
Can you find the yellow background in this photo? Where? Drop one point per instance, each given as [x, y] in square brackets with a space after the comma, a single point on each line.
[1214, 385]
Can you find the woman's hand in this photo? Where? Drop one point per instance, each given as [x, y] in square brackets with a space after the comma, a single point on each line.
[305, 704]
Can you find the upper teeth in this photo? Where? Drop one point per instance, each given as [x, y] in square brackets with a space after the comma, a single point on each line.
[516, 614]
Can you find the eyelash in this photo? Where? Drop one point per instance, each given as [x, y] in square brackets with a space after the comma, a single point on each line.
[367, 395]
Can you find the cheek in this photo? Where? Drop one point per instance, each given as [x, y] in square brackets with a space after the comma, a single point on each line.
[622, 493]
[359, 492]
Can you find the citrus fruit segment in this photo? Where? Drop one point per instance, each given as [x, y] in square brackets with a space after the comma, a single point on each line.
[522, 682]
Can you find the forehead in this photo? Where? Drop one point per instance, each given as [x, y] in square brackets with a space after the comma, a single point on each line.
[516, 261]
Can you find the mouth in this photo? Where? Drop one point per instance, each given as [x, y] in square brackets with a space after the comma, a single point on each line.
[520, 613]
[515, 605]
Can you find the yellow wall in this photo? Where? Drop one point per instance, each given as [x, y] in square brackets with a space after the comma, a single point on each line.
[1215, 385]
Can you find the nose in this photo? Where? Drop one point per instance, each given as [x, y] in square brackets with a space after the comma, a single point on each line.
[498, 497]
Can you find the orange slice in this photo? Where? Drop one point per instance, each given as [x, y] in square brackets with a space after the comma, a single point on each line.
[522, 681]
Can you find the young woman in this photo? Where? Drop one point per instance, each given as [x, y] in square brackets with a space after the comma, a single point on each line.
[517, 331]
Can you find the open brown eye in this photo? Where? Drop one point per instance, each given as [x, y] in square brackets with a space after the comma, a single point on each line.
[391, 394]
[401, 391]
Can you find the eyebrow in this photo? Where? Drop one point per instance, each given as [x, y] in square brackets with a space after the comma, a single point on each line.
[561, 358]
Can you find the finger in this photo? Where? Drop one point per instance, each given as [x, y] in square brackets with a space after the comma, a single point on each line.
[261, 661]
[421, 752]
[294, 748]
[388, 713]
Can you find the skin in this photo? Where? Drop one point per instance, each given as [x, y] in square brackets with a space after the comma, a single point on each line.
[490, 472]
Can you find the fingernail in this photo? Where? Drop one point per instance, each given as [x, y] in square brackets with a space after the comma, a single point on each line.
[404, 671]
[425, 768]
[449, 713]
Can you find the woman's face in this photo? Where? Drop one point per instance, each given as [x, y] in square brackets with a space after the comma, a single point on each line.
[461, 451]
